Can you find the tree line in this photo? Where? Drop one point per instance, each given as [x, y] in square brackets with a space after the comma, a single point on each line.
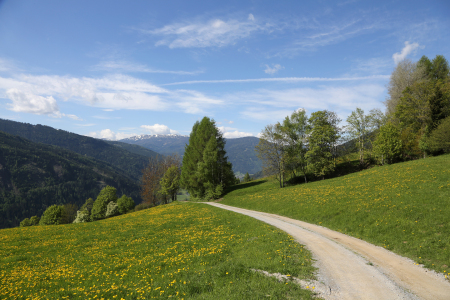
[416, 123]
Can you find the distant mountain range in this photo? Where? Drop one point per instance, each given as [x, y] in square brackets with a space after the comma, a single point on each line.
[130, 158]
[240, 151]
[34, 176]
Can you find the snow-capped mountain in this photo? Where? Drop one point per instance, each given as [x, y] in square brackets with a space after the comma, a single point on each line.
[151, 136]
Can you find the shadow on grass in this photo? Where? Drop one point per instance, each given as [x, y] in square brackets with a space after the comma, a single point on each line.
[244, 185]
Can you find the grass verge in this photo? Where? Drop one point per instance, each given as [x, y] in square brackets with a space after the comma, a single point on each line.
[180, 250]
[403, 207]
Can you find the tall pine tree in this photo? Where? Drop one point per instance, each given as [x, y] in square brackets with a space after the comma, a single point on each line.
[206, 170]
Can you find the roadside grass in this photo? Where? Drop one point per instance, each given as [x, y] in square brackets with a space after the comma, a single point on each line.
[179, 250]
[403, 207]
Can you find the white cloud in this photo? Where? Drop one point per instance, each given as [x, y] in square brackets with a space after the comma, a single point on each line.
[213, 33]
[159, 129]
[273, 70]
[126, 66]
[194, 102]
[108, 134]
[30, 103]
[398, 57]
[73, 117]
[232, 133]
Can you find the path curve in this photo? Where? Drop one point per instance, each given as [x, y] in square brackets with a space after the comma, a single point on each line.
[350, 268]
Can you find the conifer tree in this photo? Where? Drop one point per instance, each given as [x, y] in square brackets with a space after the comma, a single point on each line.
[206, 170]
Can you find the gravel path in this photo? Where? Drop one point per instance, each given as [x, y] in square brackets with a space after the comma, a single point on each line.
[350, 268]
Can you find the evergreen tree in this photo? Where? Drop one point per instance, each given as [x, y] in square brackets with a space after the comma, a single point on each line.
[247, 177]
[206, 170]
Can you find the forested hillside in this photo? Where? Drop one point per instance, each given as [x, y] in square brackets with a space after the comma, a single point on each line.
[118, 154]
[240, 151]
[34, 176]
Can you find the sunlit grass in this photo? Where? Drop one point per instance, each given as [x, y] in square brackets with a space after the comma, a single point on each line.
[180, 250]
[403, 207]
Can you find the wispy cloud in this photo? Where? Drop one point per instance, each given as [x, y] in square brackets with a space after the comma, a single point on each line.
[284, 79]
[273, 70]
[211, 33]
[126, 66]
[399, 56]
[39, 94]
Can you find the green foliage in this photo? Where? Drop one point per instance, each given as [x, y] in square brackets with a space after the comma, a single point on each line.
[112, 210]
[82, 217]
[387, 145]
[125, 204]
[322, 138]
[87, 206]
[439, 140]
[52, 215]
[34, 220]
[205, 164]
[246, 177]
[25, 222]
[170, 182]
[36, 176]
[69, 213]
[99, 208]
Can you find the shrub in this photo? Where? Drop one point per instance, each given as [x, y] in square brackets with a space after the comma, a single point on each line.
[25, 222]
[82, 217]
[143, 205]
[34, 220]
[52, 215]
[112, 209]
[87, 206]
[106, 195]
[439, 140]
[125, 204]
[69, 213]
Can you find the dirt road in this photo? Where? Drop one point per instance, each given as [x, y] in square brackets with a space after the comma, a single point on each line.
[350, 268]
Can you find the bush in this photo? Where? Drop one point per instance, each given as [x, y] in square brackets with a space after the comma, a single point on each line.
[87, 206]
[439, 140]
[99, 208]
[143, 205]
[26, 222]
[125, 204]
[82, 217]
[34, 220]
[52, 215]
[112, 210]
[69, 213]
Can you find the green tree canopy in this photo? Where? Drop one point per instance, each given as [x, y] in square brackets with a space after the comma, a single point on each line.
[205, 165]
[52, 215]
[106, 195]
[388, 145]
[170, 182]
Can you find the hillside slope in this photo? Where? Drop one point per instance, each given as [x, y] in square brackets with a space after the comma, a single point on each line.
[34, 176]
[114, 154]
[240, 151]
[180, 250]
[403, 207]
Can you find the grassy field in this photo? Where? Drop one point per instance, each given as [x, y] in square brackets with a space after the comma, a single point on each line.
[403, 207]
[180, 250]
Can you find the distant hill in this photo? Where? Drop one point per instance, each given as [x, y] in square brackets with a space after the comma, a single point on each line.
[34, 176]
[130, 159]
[240, 151]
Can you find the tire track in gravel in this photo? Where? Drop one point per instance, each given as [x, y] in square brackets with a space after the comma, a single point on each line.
[350, 268]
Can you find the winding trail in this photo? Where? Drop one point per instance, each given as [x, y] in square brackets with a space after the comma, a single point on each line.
[350, 268]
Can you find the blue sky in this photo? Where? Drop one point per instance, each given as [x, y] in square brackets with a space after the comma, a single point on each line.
[114, 69]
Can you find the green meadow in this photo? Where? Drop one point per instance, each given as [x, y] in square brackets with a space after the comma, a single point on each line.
[179, 250]
[403, 207]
